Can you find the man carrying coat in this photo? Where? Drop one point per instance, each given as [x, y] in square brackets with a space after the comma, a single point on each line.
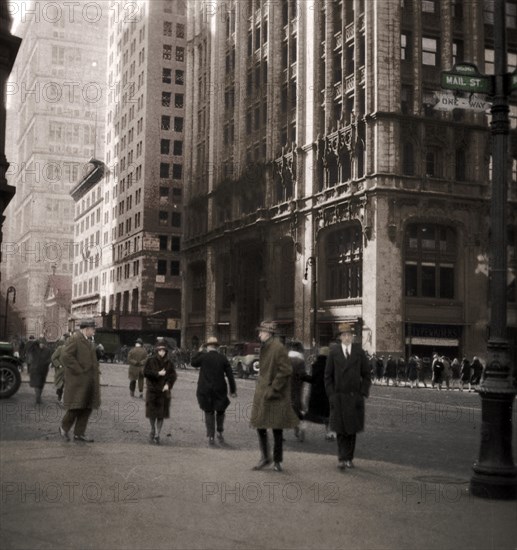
[272, 400]
[347, 382]
[136, 359]
[212, 391]
[82, 386]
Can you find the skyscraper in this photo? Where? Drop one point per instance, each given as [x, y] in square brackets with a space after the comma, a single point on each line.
[317, 153]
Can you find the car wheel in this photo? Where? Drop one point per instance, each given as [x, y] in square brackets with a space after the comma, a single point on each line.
[10, 380]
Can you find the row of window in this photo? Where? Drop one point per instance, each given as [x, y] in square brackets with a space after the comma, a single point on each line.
[179, 53]
[161, 268]
[165, 171]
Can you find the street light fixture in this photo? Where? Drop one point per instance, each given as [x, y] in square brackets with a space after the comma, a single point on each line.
[495, 474]
[10, 290]
[311, 262]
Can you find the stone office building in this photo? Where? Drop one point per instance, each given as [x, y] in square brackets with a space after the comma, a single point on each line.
[315, 155]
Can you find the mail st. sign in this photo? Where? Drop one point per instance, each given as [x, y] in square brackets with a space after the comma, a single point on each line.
[466, 78]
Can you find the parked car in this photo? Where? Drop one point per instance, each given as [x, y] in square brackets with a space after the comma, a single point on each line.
[10, 371]
[245, 359]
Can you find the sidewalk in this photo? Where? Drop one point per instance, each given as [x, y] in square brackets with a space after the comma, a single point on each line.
[58, 494]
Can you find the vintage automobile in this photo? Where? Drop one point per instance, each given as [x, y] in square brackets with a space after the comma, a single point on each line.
[10, 371]
[245, 359]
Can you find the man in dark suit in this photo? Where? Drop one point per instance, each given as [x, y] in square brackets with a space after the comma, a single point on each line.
[212, 391]
[347, 382]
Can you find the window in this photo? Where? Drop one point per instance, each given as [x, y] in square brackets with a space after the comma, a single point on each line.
[178, 124]
[165, 146]
[167, 28]
[166, 99]
[457, 52]
[161, 268]
[180, 54]
[404, 47]
[175, 244]
[489, 61]
[460, 165]
[163, 242]
[175, 268]
[344, 252]
[164, 169]
[177, 171]
[176, 219]
[178, 148]
[164, 192]
[430, 261]
[406, 99]
[429, 51]
[180, 30]
[166, 122]
[167, 76]
[433, 165]
[180, 77]
[429, 6]
[167, 52]
[163, 217]
[178, 101]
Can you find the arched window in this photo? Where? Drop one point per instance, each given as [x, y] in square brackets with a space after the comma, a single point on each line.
[344, 257]
[430, 261]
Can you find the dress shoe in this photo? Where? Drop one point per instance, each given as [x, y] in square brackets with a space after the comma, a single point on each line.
[341, 465]
[132, 393]
[263, 462]
[278, 467]
[211, 441]
[83, 438]
[151, 437]
[349, 464]
[220, 437]
[141, 395]
[64, 434]
[157, 439]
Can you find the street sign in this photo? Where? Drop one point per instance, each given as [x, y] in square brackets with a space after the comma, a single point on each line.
[447, 101]
[466, 78]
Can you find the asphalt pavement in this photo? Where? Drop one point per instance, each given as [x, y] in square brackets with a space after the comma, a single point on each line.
[409, 489]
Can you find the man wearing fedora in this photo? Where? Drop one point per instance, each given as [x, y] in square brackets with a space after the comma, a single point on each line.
[272, 407]
[82, 386]
[347, 382]
[212, 390]
[136, 358]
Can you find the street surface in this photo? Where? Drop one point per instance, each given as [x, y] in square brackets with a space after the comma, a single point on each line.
[409, 488]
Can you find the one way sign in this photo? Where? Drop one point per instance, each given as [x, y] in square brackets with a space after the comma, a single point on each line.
[447, 101]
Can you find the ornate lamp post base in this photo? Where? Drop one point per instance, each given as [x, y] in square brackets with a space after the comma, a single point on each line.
[495, 475]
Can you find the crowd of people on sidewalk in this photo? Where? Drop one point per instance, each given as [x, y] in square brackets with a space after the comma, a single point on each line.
[339, 382]
[440, 371]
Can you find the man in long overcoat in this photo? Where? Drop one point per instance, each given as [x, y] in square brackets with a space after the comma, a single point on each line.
[39, 368]
[136, 359]
[347, 381]
[212, 390]
[82, 381]
[272, 400]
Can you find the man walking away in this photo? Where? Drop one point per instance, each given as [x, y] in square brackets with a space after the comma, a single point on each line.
[136, 359]
[212, 390]
[82, 381]
[347, 381]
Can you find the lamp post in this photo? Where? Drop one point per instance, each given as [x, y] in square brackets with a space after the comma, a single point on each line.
[495, 474]
[311, 262]
[10, 290]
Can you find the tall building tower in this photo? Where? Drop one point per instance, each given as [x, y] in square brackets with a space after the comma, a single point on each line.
[316, 153]
[57, 89]
[143, 192]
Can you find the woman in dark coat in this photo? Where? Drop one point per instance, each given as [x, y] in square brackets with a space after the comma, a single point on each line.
[319, 408]
[412, 372]
[465, 373]
[161, 376]
[39, 366]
